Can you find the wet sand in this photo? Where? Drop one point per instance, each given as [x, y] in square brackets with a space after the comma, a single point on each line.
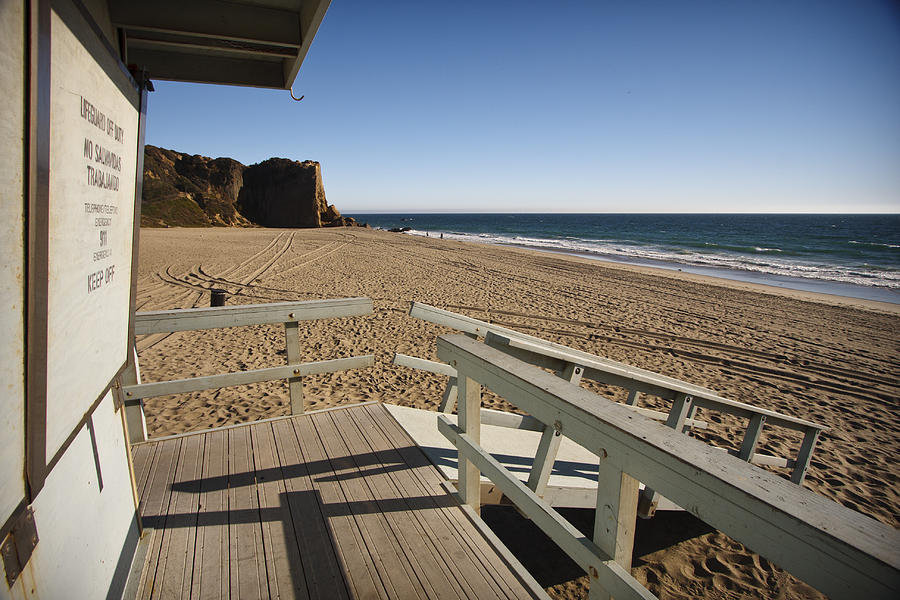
[828, 359]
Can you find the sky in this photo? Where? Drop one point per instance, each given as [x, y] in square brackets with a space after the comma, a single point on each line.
[576, 106]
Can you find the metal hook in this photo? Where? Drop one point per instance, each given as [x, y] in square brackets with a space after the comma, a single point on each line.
[295, 97]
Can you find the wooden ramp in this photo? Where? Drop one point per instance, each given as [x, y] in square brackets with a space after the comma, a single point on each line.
[335, 504]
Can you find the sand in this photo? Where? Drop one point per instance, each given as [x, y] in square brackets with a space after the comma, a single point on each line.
[824, 358]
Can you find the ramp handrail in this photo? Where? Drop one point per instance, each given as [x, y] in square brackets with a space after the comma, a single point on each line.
[841, 552]
[686, 397]
[191, 319]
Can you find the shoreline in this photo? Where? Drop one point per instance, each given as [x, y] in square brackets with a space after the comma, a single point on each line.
[815, 287]
[828, 292]
[818, 287]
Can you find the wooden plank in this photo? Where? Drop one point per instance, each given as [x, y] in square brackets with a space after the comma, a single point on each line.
[633, 397]
[142, 456]
[765, 459]
[681, 407]
[363, 577]
[448, 399]
[473, 561]
[155, 499]
[295, 384]
[678, 414]
[600, 566]
[751, 437]
[189, 319]
[176, 560]
[380, 539]
[542, 466]
[194, 384]
[470, 422]
[843, 553]
[535, 589]
[615, 516]
[129, 459]
[135, 420]
[656, 415]
[475, 567]
[771, 461]
[211, 558]
[400, 514]
[431, 366]
[450, 396]
[283, 568]
[429, 536]
[321, 564]
[154, 507]
[269, 26]
[266, 420]
[548, 447]
[810, 437]
[247, 561]
[501, 418]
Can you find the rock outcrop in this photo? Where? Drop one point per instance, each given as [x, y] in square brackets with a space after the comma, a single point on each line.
[196, 191]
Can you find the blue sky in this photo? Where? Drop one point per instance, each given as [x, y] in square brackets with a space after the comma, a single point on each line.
[496, 106]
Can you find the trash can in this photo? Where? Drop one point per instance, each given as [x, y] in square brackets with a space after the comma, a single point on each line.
[217, 297]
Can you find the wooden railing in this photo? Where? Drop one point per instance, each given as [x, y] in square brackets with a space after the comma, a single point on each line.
[837, 550]
[287, 313]
[573, 365]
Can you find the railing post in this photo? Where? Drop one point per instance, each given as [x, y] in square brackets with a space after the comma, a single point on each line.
[295, 384]
[633, 397]
[551, 438]
[810, 437]
[448, 401]
[614, 521]
[134, 409]
[689, 419]
[751, 437]
[682, 406]
[469, 411]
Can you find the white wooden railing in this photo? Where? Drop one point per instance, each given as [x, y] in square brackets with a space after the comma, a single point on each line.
[287, 313]
[837, 550]
[573, 365]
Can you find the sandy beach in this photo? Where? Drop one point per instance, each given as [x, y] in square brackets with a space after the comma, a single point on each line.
[828, 359]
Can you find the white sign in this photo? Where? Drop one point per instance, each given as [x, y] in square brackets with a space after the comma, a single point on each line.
[93, 159]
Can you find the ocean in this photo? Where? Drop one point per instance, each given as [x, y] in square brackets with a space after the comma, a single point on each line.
[848, 255]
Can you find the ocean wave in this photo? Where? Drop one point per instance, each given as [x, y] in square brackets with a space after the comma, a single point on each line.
[771, 261]
[733, 248]
[874, 244]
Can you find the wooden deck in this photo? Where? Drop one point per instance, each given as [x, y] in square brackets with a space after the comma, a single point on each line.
[336, 504]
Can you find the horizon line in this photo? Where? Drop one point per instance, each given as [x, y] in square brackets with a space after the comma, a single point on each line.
[529, 212]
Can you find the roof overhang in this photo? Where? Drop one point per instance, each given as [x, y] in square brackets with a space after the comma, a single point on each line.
[259, 43]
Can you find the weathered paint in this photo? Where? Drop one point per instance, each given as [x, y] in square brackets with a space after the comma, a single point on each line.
[12, 276]
[93, 129]
[83, 528]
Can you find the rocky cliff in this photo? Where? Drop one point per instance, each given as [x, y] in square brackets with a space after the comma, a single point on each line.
[196, 191]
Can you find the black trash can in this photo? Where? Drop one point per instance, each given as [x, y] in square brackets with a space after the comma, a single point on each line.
[217, 297]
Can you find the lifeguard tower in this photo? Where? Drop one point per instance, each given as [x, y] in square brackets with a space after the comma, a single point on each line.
[336, 503]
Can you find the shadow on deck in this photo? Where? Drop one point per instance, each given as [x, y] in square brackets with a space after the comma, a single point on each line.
[335, 504]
